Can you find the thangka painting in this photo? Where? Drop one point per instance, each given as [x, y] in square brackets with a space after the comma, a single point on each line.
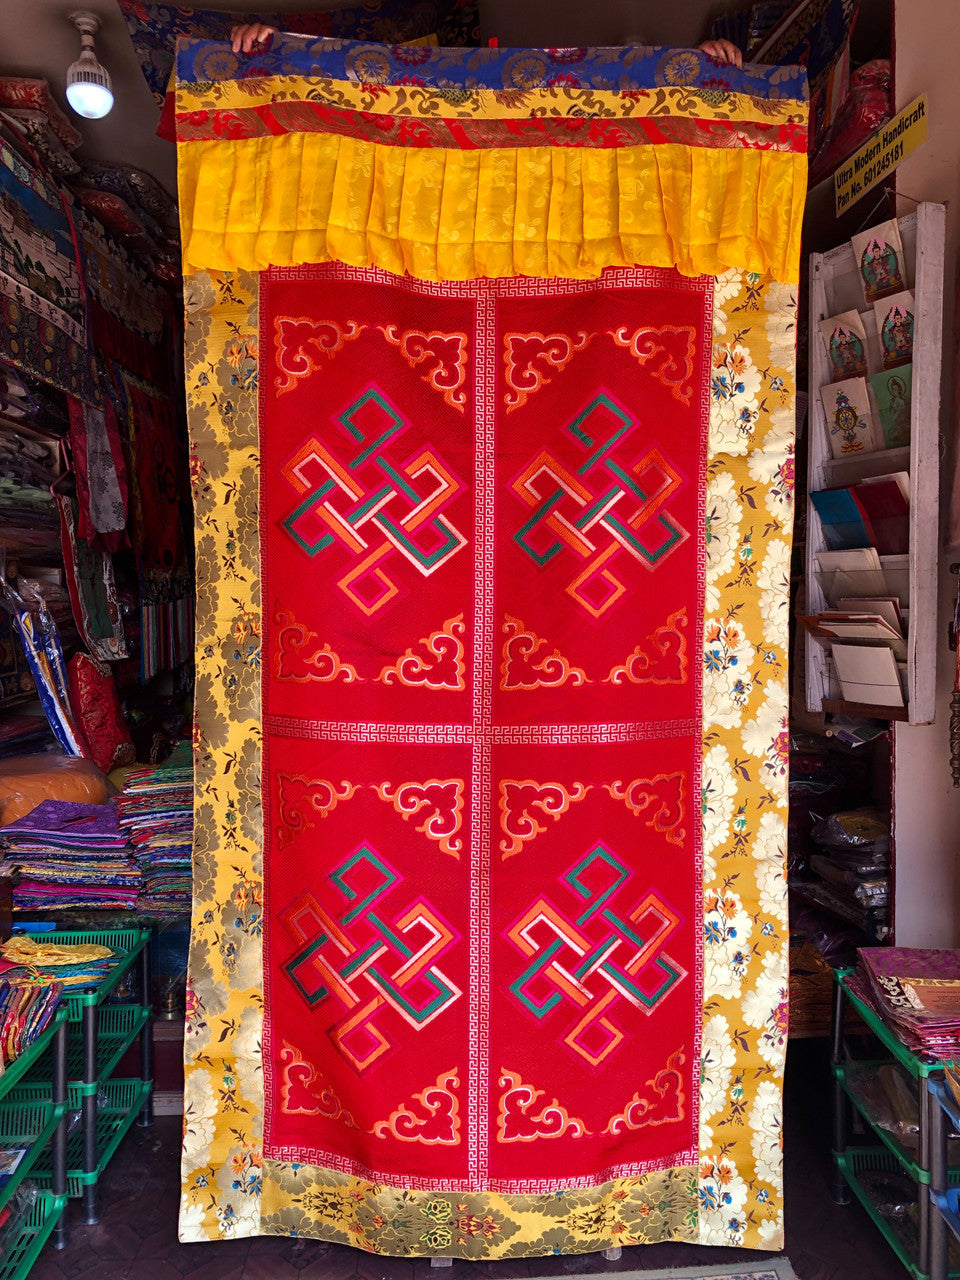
[491, 382]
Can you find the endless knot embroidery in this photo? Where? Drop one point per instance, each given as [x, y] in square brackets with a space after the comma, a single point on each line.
[371, 505]
[378, 964]
[573, 510]
[612, 958]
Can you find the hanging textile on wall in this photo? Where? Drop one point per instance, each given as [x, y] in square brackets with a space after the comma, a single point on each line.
[492, 454]
[816, 34]
[43, 329]
[130, 314]
[92, 586]
[101, 475]
[157, 464]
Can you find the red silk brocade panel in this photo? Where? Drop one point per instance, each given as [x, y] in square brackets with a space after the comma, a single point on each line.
[482, 515]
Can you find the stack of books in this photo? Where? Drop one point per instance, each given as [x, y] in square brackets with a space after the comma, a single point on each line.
[71, 855]
[156, 809]
[916, 992]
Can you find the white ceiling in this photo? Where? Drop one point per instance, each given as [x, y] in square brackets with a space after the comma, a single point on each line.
[38, 40]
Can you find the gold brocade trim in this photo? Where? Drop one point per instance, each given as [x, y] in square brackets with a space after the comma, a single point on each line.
[303, 1200]
[560, 101]
[440, 214]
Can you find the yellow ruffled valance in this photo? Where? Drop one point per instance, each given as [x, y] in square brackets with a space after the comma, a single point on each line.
[440, 214]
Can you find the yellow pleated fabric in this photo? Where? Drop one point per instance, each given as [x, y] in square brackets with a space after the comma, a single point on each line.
[443, 214]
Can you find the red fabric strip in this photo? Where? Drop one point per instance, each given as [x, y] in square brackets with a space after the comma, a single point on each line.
[278, 118]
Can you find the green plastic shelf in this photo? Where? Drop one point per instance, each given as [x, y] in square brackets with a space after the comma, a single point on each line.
[126, 944]
[847, 1074]
[29, 1125]
[21, 1251]
[118, 1026]
[122, 1100]
[855, 1161]
[15, 1070]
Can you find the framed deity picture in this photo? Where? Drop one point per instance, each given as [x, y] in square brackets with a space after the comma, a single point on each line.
[892, 390]
[879, 257]
[895, 329]
[846, 342]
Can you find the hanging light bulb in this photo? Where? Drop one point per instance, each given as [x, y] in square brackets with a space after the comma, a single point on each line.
[88, 83]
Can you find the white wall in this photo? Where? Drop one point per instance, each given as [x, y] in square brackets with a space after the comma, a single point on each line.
[927, 806]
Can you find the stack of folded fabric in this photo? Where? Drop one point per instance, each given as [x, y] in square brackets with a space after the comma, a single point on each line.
[916, 991]
[71, 855]
[25, 1012]
[31, 962]
[156, 808]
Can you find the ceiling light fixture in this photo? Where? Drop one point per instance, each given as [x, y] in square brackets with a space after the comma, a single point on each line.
[88, 83]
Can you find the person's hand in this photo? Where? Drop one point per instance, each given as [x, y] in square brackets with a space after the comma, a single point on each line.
[720, 51]
[247, 34]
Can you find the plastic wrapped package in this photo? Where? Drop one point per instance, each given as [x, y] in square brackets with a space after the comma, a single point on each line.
[864, 831]
[888, 1100]
[17, 1212]
[867, 105]
[96, 705]
[25, 781]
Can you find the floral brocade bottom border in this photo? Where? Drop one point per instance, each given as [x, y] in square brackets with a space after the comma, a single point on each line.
[302, 1200]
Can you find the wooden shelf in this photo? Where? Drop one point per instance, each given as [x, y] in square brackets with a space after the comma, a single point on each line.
[838, 707]
[835, 287]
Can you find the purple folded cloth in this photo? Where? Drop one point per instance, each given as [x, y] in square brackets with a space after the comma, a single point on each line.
[67, 820]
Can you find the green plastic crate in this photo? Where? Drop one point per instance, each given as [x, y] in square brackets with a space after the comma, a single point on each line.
[118, 1026]
[857, 1160]
[122, 1102]
[20, 1252]
[31, 1124]
[15, 1070]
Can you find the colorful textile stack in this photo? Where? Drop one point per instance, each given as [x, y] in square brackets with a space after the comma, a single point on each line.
[916, 991]
[25, 1013]
[71, 855]
[156, 808]
[32, 962]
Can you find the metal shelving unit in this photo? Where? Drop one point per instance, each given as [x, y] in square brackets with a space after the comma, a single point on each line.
[944, 1190]
[99, 1034]
[914, 1242]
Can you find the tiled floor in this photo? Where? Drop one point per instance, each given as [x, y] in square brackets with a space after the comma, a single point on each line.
[136, 1238]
